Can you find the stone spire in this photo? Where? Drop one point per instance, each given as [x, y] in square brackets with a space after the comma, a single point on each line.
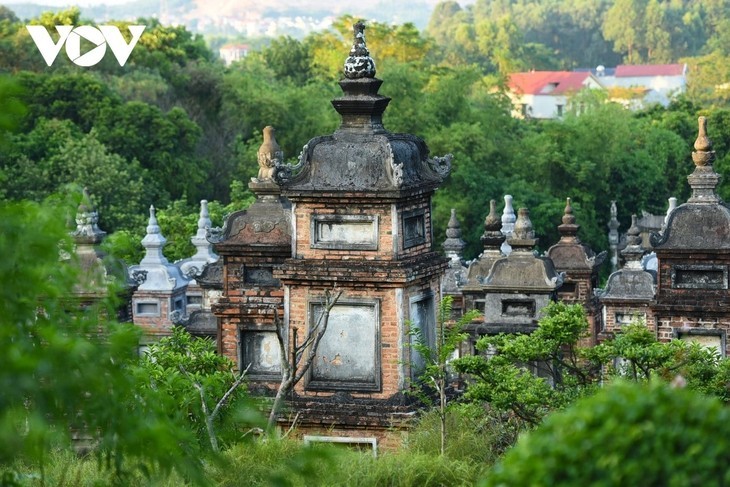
[454, 245]
[361, 107]
[204, 254]
[704, 179]
[455, 275]
[508, 223]
[523, 236]
[633, 252]
[153, 242]
[613, 236]
[568, 230]
[87, 230]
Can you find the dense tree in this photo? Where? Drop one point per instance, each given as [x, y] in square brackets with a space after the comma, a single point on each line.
[67, 371]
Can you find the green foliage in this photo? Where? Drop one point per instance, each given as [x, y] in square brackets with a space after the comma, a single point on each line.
[176, 363]
[70, 371]
[636, 354]
[559, 373]
[606, 440]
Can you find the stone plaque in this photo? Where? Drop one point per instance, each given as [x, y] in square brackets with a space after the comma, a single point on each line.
[259, 276]
[623, 319]
[261, 350]
[348, 357]
[699, 276]
[712, 341]
[345, 232]
[518, 307]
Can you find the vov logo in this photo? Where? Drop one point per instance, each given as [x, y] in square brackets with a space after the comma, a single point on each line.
[100, 36]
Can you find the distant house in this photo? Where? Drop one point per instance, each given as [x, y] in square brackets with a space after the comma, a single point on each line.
[231, 53]
[545, 94]
[641, 85]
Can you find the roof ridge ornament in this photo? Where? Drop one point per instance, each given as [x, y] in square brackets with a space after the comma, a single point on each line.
[704, 179]
[359, 64]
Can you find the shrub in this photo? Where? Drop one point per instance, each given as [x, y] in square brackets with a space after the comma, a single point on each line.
[626, 434]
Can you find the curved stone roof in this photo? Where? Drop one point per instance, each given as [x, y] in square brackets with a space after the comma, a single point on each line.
[632, 283]
[521, 269]
[265, 224]
[362, 156]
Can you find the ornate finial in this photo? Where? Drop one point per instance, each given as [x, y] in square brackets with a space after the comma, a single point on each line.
[568, 230]
[568, 217]
[153, 242]
[703, 155]
[492, 222]
[453, 230]
[454, 245]
[634, 251]
[703, 142]
[152, 226]
[359, 64]
[633, 232]
[87, 230]
[523, 225]
[204, 220]
[269, 155]
[523, 236]
[508, 223]
[704, 179]
[492, 237]
[508, 216]
[204, 251]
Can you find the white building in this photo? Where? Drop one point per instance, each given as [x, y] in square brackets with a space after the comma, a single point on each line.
[545, 94]
[641, 85]
[230, 53]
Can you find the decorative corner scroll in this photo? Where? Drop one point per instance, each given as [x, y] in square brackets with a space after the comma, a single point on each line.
[283, 173]
[441, 165]
[215, 234]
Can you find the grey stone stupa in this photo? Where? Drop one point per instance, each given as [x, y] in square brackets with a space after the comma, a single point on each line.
[519, 285]
[629, 291]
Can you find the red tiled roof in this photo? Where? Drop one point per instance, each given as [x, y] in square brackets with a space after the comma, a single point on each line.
[547, 82]
[626, 71]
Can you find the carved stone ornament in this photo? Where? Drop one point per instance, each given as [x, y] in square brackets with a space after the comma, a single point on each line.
[270, 155]
[441, 165]
[359, 64]
[192, 272]
[139, 276]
